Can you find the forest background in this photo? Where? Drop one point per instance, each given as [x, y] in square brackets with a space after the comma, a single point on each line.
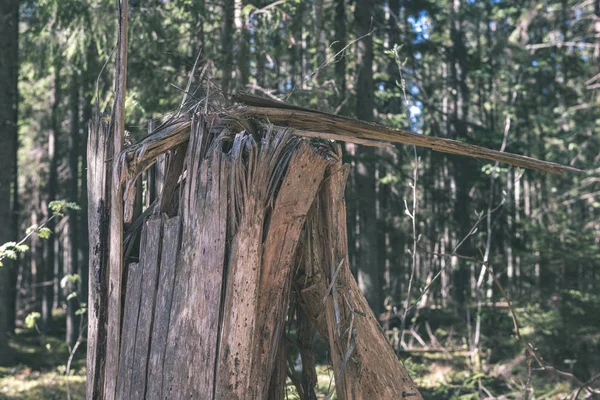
[428, 233]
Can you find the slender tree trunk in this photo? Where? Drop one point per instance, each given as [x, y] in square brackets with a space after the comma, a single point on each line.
[52, 188]
[319, 37]
[369, 269]
[88, 89]
[339, 44]
[243, 61]
[259, 47]
[227, 44]
[463, 167]
[73, 235]
[9, 66]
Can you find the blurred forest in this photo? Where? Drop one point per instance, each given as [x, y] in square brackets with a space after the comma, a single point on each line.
[430, 234]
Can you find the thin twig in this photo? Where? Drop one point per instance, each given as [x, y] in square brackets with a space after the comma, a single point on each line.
[82, 328]
[329, 61]
[36, 230]
[335, 273]
[412, 214]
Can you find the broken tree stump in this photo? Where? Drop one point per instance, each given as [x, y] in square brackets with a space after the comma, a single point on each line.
[250, 216]
[204, 306]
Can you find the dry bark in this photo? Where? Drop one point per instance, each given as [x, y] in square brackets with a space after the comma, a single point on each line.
[304, 119]
[359, 349]
[259, 280]
[98, 188]
[115, 251]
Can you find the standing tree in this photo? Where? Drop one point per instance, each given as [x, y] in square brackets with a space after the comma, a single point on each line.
[9, 65]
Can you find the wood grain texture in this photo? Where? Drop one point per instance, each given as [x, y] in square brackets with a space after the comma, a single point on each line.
[297, 193]
[365, 365]
[164, 297]
[149, 261]
[115, 255]
[239, 308]
[131, 312]
[98, 186]
[304, 119]
[191, 350]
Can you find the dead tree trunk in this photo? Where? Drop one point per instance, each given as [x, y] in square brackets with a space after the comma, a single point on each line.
[364, 363]
[205, 305]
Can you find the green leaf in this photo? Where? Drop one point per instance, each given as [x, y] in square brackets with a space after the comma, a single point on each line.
[44, 233]
[60, 207]
[69, 278]
[31, 319]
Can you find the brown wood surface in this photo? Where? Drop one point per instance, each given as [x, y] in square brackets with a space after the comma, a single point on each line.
[249, 188]
[297, 193]
[185, 334]
[365, 365]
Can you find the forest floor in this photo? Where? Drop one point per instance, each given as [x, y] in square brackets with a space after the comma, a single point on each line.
[39, 369]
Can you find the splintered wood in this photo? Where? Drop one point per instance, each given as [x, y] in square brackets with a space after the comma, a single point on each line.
[246, 216]
[359, 349]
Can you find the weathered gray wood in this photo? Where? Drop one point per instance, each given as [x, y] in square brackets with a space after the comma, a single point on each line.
[193, 329]
[249, 191]
[149, 261]
[131, 312]
[98, 186]
[115, 253]
[162, 312]
[299, 118]
[171, 174]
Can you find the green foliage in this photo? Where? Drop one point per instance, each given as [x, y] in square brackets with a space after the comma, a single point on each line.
[60, 207]
[566, 331]
[544, 246]
[70, 279]
[44, 232]
[31, 319]
[11, 250]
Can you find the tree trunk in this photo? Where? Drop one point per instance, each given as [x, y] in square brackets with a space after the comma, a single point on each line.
[73, 227]
[227, 44]
[243, 61]
[359, 349]
[51, 190]
[205, 307]
[339, 44]
[462, 167]
[9, 66]
[368, 263]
